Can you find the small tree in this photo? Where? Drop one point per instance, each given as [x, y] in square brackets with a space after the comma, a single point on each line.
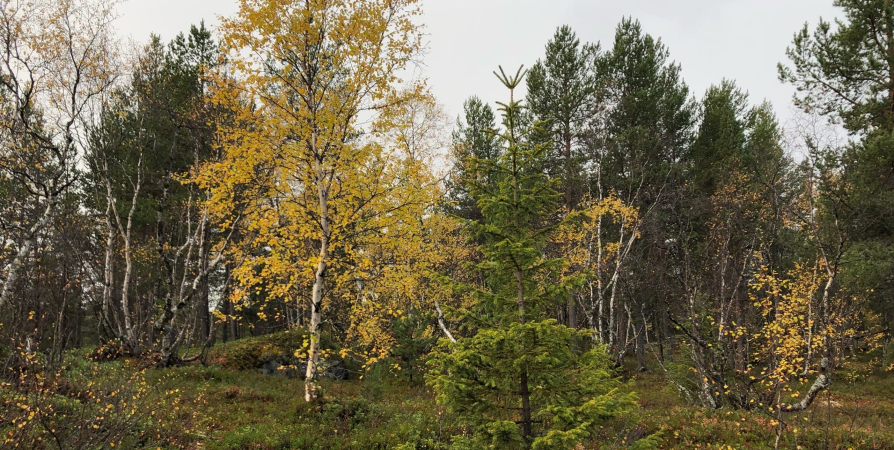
[520, 381]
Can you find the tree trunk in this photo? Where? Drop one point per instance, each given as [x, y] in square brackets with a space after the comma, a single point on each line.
[316, 318]
[205, 305]
[660, 331]
[316, 313]
[442, 323]
[109, 277]
[572, 308]
[668, 338]
[641, 341]
[227, 308]
[527, 425]
[129, 334]
[823, 382]
[524, 389]
[12, 271]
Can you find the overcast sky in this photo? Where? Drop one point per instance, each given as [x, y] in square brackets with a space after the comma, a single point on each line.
[711, 39]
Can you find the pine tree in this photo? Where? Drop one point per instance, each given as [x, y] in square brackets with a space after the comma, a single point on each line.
[561, 94]
[720, 142]
[647, 129]
[845, 72]
[520, 381]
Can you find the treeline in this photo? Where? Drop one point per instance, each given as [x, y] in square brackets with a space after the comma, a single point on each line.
[281, 175]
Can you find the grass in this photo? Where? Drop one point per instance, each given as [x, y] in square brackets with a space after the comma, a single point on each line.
[247, 410]
[229, 409]
[856, 413]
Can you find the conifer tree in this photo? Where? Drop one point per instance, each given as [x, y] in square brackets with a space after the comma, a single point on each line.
[473, 138]
[844, 70]
[720, 141]
[520, 381]
[648, 127]
[561, 93]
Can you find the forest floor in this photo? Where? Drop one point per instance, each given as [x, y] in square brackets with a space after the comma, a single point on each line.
[209, 407]
[248, 410]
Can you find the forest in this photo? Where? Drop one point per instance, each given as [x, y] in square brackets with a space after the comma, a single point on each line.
[269, 234]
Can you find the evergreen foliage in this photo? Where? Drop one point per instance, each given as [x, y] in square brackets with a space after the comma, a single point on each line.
[473, 139]
[521, 381]
[844, 71]
[561, 94]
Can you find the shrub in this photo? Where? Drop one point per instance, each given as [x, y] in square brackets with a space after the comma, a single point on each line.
[287, 348]
[86, 405]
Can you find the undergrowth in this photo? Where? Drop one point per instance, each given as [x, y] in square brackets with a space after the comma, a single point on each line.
[119, 404]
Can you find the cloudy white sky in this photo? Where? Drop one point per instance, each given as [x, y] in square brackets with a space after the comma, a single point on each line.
[711, 39]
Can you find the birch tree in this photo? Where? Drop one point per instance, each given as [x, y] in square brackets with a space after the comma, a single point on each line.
[57, 59]
[321, 76]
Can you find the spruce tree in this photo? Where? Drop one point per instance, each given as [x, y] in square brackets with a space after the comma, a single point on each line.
[520, 381]
[473, 138]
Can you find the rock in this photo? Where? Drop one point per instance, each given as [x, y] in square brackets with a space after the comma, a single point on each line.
[334, 369]
[270, 367]
[288, 372]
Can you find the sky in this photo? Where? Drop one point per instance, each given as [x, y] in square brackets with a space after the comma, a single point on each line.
[741, 40]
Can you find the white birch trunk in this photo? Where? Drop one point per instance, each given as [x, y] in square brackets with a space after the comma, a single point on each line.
[12, 271]
[316, 312]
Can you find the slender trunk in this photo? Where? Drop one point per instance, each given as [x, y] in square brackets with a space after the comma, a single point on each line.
[227, 307]
[225, 332]
[885, 352]
[15, 267]
[825, 313]
[612, 328]
[205, 303]
[524, 389]
[79, 318]
[666, 338]
[572, 308]
[641, 339]
[527, 425]
[600, 289]
[130, 336]
[109, 275]
[316, 318]
[125, 300]
[810, 325]
[231, 320]
[442, 323]
[614, 284]
[889, 52]
[316, 314]
[568, 197]
[521, 295]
